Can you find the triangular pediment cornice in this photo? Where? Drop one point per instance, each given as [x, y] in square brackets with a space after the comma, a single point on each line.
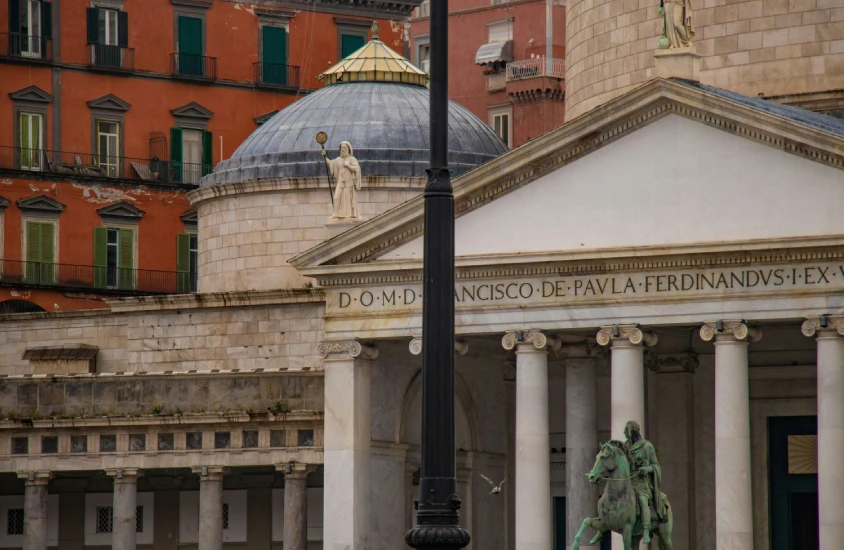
[41, 203]
[31, 93]
[265, 117]
[121, 209]
[110, 102]
[189, 217]
[563, 145]
[192, 110]
[4, 203]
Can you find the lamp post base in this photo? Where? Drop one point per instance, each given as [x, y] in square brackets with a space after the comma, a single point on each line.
[437, 537]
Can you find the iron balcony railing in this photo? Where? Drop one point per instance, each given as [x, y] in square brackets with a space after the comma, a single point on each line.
[24, 46]
[276, 74]
[102, 166]
[89, 277]
[190, 65]
[104, 56]
[539, 66]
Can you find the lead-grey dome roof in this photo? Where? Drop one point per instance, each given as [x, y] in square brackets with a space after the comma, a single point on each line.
[386, 123]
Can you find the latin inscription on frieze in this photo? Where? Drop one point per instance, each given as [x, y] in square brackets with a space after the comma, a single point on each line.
[603, 287]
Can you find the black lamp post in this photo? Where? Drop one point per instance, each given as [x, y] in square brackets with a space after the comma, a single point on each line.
[437, 511]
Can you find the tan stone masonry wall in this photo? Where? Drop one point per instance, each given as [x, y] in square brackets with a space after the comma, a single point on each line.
[243, 337]
[768, 47]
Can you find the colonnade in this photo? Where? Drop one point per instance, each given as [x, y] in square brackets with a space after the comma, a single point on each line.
[210, 507]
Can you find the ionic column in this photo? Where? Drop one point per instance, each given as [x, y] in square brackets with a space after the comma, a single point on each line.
[532, 483]
[346, 454]
[627, 389]
[582, 361]
[211, 506]
[35, 510]
[124, 506]
[415, 346]
[829, 402]
[296, 506]
[734, 519]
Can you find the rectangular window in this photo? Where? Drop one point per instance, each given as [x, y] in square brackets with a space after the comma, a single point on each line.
[14, 521]
[222, 440]
[351, 43]
[108, 35]
[249, 439]
[501, 31]
[108, 147]
[114, 258]
[165, 442]
[40, 245]
[107, 27]
[305, 438]
[277, 438]
[30, 25]
[105, 519]
[501, 125]
[20, 445]
[424, 56]
[424, 9]
[193, 440]
[137, 442]
[108, 443]
[274, 55]
[192, 155]
[29, 140]
[49, 444]
[190, 46]
[79, 443]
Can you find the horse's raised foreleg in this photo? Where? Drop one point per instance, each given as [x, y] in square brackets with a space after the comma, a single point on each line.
[595, 523]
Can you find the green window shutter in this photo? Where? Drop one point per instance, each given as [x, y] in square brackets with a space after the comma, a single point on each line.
[207, 151]
[33, 242]
[176, 154]
[93, 17]
[183, 263]
[190, 46]
[125, 260]
[101, 236]
[275, 55]
[47, 251]
[46, 20]
[350, 43]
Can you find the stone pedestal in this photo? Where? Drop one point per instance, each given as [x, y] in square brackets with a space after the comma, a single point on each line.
[734, 519]
[35, 510]
[581, 438]
[829, 350]
[296, 508]
[336, 227]
[211, 507]
[346, 482]
[533, 483]
[124, 508]
[677, 63]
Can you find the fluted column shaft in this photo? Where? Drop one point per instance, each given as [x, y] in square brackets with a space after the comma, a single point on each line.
[125, 501]
[35, 511]
[829, 395]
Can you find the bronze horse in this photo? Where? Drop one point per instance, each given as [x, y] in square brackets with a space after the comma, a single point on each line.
[618, 505]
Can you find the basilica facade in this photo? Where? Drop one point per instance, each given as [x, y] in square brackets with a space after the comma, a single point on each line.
[673, 257]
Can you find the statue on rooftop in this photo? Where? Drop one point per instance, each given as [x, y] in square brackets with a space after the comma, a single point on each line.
[347, 174]
[676, 29]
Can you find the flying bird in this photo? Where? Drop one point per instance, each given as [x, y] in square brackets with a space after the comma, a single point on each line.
[496, 488]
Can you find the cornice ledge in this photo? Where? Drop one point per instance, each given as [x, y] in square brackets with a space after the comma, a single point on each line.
[185, 374]
[217, 299]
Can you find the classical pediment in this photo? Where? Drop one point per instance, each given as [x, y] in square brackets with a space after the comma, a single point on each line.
[121, 209]
[265, 117]
[41, 203]
[4, 203]
[110, 102]
[192, 110]
[189, 216]
[668, 164]
[31, 93]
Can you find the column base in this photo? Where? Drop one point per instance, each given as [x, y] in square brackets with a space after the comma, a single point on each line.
[677, 63]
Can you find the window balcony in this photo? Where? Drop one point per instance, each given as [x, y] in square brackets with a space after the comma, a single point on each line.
[96, 278]
[86, 165]
[187, 65]
[276, 74]
[536, 67]
[113, 58]
[26, 47]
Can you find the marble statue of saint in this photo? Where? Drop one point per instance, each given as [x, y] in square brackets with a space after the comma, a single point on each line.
[347, 174]
[646, 475]
[676, 28]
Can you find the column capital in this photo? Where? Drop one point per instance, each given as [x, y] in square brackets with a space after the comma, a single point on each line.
[39, 477]
[729, 329]
[625, 335]
[210, 473]
[827, 325]
[671, 362]
[415, 347]
[295, 470]
[124, 475]
[530, 337]
[346, 349]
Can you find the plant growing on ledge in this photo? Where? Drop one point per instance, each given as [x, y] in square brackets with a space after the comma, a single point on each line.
[157, 409]
[278, 407]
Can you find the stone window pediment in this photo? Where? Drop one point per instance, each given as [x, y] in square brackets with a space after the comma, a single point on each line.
[4, 203]
[31, 93]
[189, 217]
[109, 102]
[121, 210]
[192, 110]
[265, 117]
[41, 203]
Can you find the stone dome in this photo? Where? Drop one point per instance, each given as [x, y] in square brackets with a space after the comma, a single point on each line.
[386, 123]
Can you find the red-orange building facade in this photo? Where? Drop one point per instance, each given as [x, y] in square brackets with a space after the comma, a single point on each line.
[112, 110]
[500, 67]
